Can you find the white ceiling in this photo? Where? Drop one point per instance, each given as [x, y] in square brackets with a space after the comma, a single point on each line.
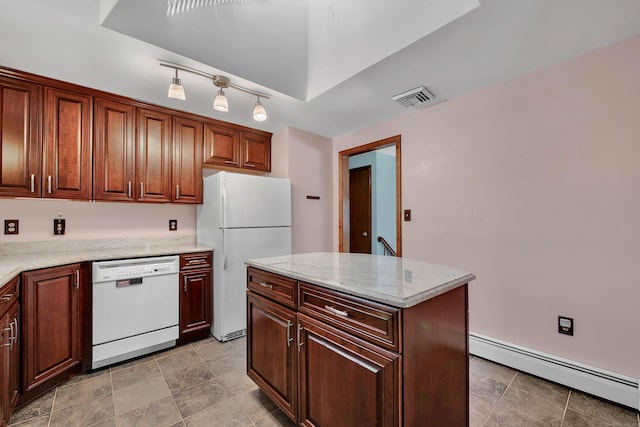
[330, 66]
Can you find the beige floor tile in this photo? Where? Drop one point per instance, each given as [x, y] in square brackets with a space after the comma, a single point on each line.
[35, 409]
[87, 376]
[276, 419]
[235, 384]
[199, 397]
[79, 392]
[32, 422]
[214, 348]
[109, 422]
[188, 377]
[479, 411]
[486, 388]
[574, 419]
[134, 374]
[492, 370]
[548, 390]
[503, 417]
[601, 410]
[176, 361]
[140, 394]
[125, 365]
[229, 413]
[87, 413]
[531, 407]
[228, 362]
[161, 413]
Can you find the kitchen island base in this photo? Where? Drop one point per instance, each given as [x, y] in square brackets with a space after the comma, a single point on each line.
[327, 358]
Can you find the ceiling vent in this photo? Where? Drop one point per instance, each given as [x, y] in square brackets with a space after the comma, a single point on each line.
[413, 98]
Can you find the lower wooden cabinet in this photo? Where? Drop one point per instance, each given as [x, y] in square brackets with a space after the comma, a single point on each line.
[196, 289]
[10, 349]
[52, 344]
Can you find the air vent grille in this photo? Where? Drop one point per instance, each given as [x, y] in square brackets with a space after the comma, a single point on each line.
[415, 97]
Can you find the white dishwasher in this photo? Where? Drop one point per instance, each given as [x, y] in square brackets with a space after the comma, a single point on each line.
[135, 308]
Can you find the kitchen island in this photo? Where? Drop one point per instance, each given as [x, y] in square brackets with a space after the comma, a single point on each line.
[338, 339]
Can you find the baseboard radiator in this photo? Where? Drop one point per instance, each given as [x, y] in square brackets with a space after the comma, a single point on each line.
[607, 385]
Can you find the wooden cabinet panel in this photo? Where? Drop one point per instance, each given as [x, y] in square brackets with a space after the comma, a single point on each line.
[153, 160]
[9, 348]
[66, 171]
[195, 305]
[20, 144]
[51, 317]
[187, 160]
[344, 381]
[271, 351]
[256, 151]
[274, 287]
[221, 146]
[13, 373]
[114, 157]
[5, 341]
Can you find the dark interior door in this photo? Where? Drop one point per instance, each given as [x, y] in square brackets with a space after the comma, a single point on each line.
[360, 210]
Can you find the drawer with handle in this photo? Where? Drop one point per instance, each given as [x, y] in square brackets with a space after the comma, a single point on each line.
[277, 288]
[9, 294]
[374, 322]
[195, 260]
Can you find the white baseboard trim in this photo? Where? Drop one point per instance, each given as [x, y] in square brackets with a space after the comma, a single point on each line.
[607, 385]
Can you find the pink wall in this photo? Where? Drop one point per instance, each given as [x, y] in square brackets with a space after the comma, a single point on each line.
[534, 185]
[99, 220]
[305, 158]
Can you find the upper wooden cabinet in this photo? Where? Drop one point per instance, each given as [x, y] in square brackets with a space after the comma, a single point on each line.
[20, 140]
[114, 155]
[231, 147]
[256, 151]
[187, 160]
[66, 168]
[153, 160]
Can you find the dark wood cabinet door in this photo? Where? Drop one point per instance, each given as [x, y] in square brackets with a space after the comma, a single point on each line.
[187, 160]
[51, 317]
[5, 341]
[153, 160]
[114, 155]
[13, 374]
[20, 138]
[256, 151]
[195, 305]
[66, 169]
[345, 381]
[271, 351]
[221, 146]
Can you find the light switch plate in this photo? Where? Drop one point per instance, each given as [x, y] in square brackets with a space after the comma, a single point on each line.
[407, 214]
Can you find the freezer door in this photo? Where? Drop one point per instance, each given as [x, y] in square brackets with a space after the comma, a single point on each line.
[230, 273]
[255, 201]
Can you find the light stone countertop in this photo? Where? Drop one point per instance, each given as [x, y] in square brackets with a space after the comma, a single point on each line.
[12, 264]
[399, 282]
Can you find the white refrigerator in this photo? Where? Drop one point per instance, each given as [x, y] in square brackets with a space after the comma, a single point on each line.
[241, 217]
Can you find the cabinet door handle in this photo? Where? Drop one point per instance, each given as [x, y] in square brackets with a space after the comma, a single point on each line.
[265, 285]
[300, 343]
[289, 339]
[49, 184]
[177, 192]
[6, 298]
[185, 283]
[142, 189]
[129, 189]
[336, 311]
[33, 182]
[77, 285]
[10, 328]
[230, 162]
[249, 165]
[15, 336]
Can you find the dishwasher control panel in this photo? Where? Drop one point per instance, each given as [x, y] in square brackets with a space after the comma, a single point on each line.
[108, 271]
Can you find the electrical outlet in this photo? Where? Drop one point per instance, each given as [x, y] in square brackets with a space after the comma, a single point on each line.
[173, 225]
[11, 226]
[407, 214]
[58, 226]
[565, 325]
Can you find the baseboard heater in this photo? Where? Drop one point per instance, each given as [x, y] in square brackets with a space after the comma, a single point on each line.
[607, 385]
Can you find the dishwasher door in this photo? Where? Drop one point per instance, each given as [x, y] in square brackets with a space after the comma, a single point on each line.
[135, 308]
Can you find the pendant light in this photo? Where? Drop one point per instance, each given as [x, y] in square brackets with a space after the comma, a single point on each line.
[176, 91]
[220, 103]
[259, 113]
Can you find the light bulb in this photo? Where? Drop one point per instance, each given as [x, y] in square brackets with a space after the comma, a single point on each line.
[259, 113]
[220, 103]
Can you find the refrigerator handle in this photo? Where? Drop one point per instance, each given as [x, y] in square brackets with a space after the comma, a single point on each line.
[224, 250]
[223, 206]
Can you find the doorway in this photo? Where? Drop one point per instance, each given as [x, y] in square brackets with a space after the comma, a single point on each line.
[360, 210]
[387, 218]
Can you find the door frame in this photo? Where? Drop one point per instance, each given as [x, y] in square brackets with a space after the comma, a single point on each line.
[343, 190]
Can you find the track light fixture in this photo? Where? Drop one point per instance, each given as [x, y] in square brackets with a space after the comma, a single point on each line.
[220, 103]
[176, 91]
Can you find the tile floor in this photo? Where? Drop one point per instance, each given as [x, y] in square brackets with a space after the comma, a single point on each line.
[204, 384]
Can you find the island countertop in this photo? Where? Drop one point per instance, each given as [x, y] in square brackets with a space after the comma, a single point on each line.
[399, 282]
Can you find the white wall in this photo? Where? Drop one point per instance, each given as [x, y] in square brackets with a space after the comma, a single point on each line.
[533, 185]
